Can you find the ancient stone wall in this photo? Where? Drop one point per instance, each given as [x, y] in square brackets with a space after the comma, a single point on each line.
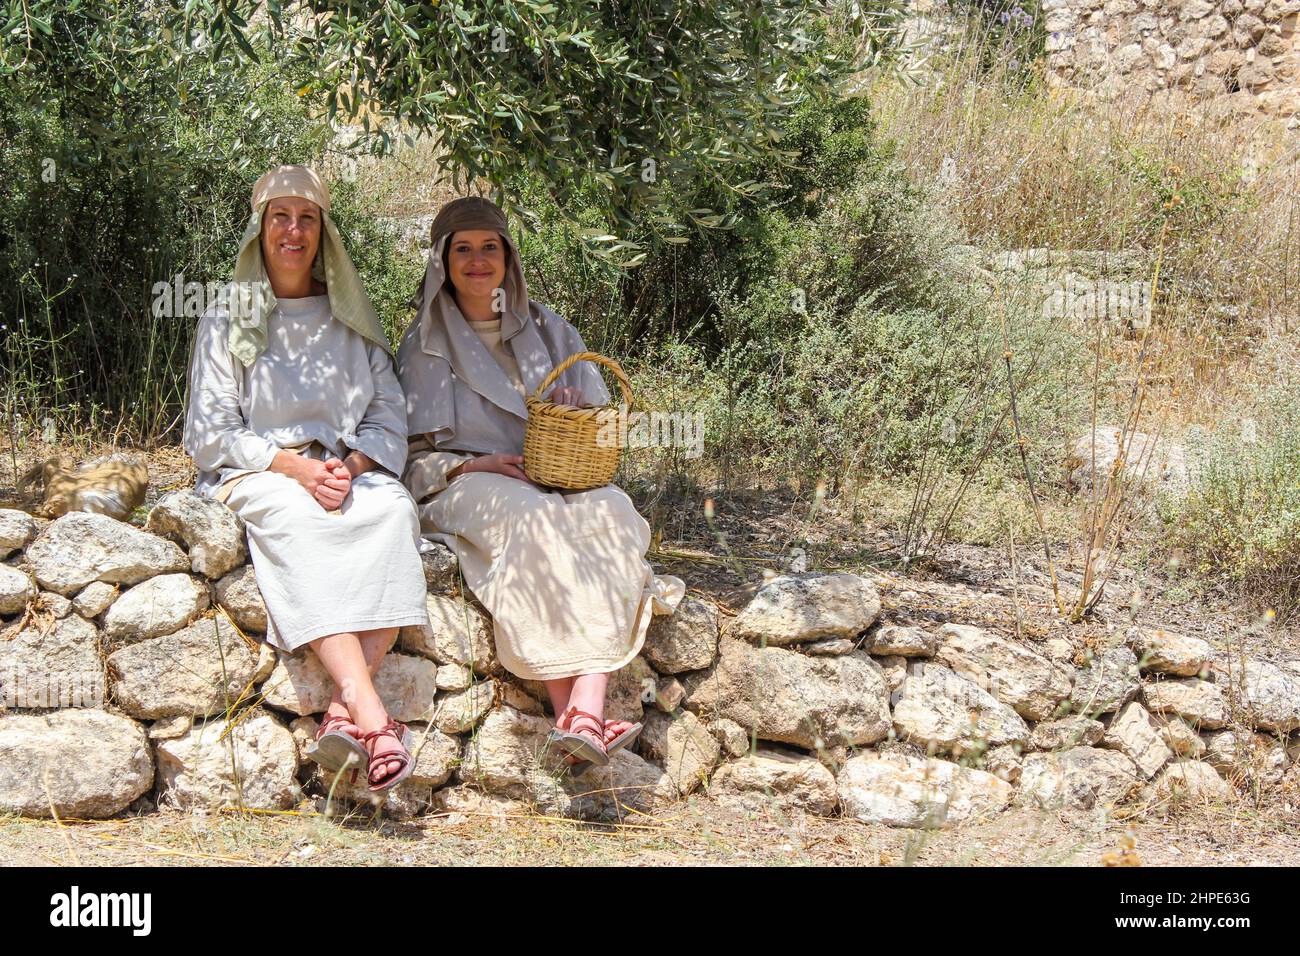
[1238, 56]
[133, 675]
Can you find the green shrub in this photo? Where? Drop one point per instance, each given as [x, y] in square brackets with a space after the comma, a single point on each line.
[1239, 523]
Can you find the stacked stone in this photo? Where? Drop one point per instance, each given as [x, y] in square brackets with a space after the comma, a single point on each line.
[1243, 55]
[809, 700]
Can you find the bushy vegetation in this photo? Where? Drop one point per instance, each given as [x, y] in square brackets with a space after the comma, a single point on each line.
[111, 189]
[1240, 520]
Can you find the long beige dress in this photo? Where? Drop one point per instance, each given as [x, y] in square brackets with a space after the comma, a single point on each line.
[319, 389]
[563, 574]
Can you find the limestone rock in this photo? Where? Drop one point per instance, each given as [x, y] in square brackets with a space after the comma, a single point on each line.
[731, 737]
[830, 647]
[1168, 653]
[512, 694]
[1190, 781]
[155, 607]
[894, 667]
[440, 567]
[669, 694]
[792, 698]
[304, 731]
[458, 633]
[683, 747]
[789, 610]
[1246, 756]
[1199, 702]
[95, 598]
[239, 594]
[301, 685]
[1145, 460]
[1182, 740]
[250, 761]
[1109, 682]
[454, 677]
[773, 779]
[508, 757]
[1031, 684]
[900, 790]
[906, 640]
[80, 547]
[457, 801]
[686, 640]
[212, 533]
[940, 709]
[84, 764]
[340, 795]
[627, 786]
[1136, 734]
[459, 711]
[1080, 778]
[1004, 762]
[436, 755]
[629, 690]
[54, 604]
[201, 669]
[169, 728]
[1074, 731]
[16, 529]
[16, 589]
[1271, 696]
[54, 666]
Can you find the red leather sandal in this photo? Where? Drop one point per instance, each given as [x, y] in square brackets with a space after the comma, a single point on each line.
[394, 729]
[587, 746]
[336, 749]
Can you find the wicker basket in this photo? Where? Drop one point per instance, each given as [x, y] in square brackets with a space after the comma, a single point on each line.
[560, 442]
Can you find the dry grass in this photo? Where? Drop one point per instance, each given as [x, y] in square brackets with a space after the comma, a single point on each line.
[696, 832]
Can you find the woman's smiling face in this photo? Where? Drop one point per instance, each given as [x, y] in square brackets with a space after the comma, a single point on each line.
[476, 262]
[290, 236]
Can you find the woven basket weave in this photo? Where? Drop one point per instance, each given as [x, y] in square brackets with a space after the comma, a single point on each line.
[560, 441]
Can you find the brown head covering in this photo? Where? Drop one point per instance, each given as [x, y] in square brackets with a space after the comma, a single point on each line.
[455, 390]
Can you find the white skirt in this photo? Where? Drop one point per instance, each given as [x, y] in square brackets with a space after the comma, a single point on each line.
[323, 573]
[563, 574]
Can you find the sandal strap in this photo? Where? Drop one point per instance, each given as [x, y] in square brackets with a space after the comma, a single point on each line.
[392, 728]
[329, 721]
[571, 712]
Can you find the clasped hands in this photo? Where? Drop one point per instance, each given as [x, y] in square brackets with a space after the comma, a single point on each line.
[327, 481]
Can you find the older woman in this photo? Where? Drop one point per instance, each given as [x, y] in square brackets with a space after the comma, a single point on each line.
[297, 422]
[563, 575]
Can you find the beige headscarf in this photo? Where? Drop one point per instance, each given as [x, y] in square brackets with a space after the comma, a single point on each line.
[252, 299]
[455, 390]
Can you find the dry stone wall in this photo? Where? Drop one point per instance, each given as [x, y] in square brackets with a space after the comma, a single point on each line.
[1238, 56]
[134, 677]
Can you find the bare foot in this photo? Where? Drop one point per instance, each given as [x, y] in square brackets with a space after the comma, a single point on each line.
[339, 709]
[615, 727]
[385, 768]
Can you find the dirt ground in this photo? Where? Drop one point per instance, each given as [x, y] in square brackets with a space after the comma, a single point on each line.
[698, 832]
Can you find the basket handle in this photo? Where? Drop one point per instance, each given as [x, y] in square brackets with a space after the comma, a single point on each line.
[624, 385]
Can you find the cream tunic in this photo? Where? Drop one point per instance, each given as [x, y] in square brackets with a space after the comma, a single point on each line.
[563, 574]
[321, 389]
[317, 380]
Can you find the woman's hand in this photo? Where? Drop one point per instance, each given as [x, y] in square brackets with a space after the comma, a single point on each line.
[331, 492]
[568, 395]
[326, 481]
[508, 465]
